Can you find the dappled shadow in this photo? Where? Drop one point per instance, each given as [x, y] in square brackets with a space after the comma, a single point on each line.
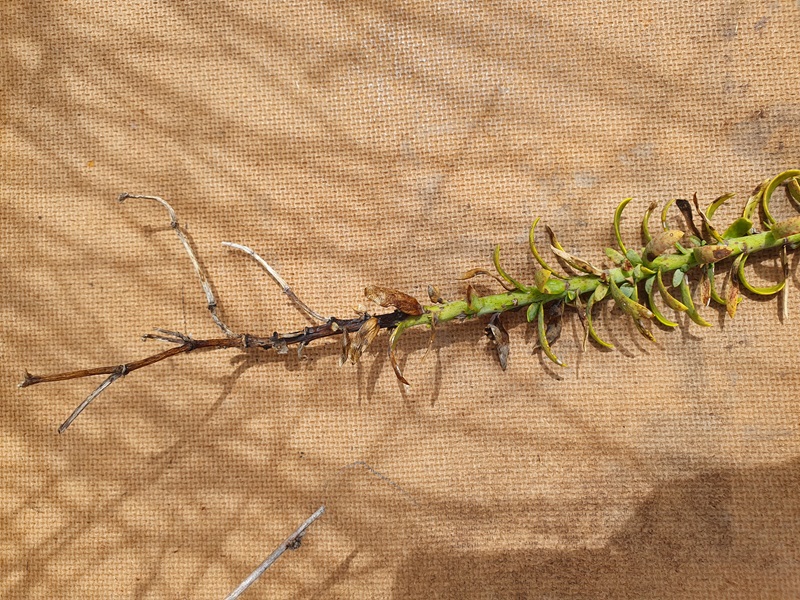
[729, 534]
[358, 143]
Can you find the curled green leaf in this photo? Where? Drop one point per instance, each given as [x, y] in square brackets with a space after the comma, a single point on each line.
[761, 291]
[599, 294]
[646, 222]
[686, 297]
[535, 252]
[545, 345]
[617, 218]
[502, 271]
[712, 208]
[656, 312]
[671, 301]
[710, 273]
[628, 306]
[771, 186]
[793, 190]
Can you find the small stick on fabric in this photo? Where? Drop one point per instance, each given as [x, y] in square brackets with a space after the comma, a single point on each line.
[107, 382]
[290, 543]
[211, 301]
[302, 306]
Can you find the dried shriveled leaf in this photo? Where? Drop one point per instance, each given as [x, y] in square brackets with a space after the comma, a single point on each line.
[475, 272]
[662, 242]
[732, 297]
[711, 253]
[706, 221]
[705, 289]
[434, 295]
[544, 341]
[345, 347]
[363, 338]
[786, 228]
[498, 334]
[686, 210]
[387, 297]
[472, 297]
[393, 338]
[575, 262]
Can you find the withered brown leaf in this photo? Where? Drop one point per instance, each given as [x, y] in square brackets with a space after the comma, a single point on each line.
[498, 334]
[387, 297]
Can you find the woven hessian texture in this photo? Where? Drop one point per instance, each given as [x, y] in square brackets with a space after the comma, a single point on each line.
[359, 143]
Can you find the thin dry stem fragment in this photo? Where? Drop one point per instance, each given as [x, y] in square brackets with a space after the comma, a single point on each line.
[211, 301]
[291, 543]
[108, 381]
[304, 308]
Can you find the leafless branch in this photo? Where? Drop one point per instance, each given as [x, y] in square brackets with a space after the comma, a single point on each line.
[290, 543]
[302, 306]
[211, 301]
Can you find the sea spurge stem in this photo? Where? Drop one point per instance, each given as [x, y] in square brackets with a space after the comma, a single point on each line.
[668, 256]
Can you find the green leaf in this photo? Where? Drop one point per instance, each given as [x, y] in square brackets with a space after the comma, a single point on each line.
[597, 296]
[761, 291]
[633, 256]
[533, 309]
[656, 312]
[739, 228]
[545, 345]
[671, 301]
[686, 297]
[617, 218]
[616, 257]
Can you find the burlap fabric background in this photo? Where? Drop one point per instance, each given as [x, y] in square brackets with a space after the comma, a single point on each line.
[356, 143]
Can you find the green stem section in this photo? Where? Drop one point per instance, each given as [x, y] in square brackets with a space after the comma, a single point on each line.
[578, 285]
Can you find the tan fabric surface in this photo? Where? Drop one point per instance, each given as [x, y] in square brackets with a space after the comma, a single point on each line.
[356, 143]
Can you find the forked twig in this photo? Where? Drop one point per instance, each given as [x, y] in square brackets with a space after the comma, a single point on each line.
[291, 543]
[211, 301]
